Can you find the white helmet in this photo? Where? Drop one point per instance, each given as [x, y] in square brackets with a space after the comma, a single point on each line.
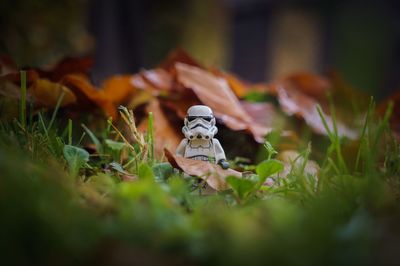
[199, 123]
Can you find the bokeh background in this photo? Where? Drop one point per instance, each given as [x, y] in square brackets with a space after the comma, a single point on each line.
[260, 40]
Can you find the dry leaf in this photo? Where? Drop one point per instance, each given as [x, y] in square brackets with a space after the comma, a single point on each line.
[294, 102]
[87, 95]
[262, 113]
[15, 77]
[158, 78]
[118, 89]
[310, 84]
[395, 117]
[47, 93]
[178, 55]
[213, 174]
[239, 87]
[216, 93]
[68, 65]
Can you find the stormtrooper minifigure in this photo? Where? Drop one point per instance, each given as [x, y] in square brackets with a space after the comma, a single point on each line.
[199, 142]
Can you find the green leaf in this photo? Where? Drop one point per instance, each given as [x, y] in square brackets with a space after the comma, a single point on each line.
[117, 167]
[268, 168]
[271, 151]
[76, 158]
[95, 140]
[145, 171]
[115, 145]
[162, 171]
[241, 187]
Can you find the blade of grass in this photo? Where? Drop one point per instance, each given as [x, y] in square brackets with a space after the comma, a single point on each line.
[334, 137]
[53, 116]
[150, 138]
[22, 104]
[363, 138]
[95, 140]
[81, 138]
[69, 132]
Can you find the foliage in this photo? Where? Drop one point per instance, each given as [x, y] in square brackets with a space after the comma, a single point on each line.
[155, 217]
[108, 199]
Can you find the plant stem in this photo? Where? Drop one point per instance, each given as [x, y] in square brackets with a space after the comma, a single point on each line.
[22, 104]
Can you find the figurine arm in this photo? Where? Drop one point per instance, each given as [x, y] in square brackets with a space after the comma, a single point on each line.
[220, 154]
[180, 150]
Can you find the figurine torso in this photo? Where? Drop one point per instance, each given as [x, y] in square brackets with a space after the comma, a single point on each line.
[200, 149]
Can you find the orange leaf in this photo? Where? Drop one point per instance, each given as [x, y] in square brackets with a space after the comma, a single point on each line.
[87, 95]
[213, 174]
[47, 93]
[118, 89]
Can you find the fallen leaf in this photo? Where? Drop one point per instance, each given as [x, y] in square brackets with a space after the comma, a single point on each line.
[239, 87]
[213, 174]
[119, 89]
[47, 93]
[68, 65]
[262, 113]
[294, 102]
[15, 77]
[178, 55]
[87, 95]
[7, 65]
[215, 92]
[180, 101]
[395, 117]
[310, 84]
[158, 78]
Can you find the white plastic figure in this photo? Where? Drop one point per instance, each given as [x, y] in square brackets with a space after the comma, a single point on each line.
[199, 142]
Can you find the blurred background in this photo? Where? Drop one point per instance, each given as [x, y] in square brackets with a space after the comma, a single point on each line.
[259, 40]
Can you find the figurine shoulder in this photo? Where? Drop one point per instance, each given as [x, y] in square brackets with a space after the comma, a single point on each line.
[215, 141]
[184, 141]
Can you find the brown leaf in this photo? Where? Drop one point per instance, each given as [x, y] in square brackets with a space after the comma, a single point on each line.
[119, 89]
[395, 117]
[7, 65]
[158, 78]
[15, 77]
[239, 87]
[178, 55]
[68, 65]
[262, 113]
[310, 84]
[87, 95]
[294, 102]
[216, 93]
[213, 174]
[47, 93]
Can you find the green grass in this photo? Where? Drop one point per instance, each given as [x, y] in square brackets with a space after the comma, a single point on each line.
[60, 205]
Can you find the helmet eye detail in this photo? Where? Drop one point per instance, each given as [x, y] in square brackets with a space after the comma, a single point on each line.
[206, 118]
